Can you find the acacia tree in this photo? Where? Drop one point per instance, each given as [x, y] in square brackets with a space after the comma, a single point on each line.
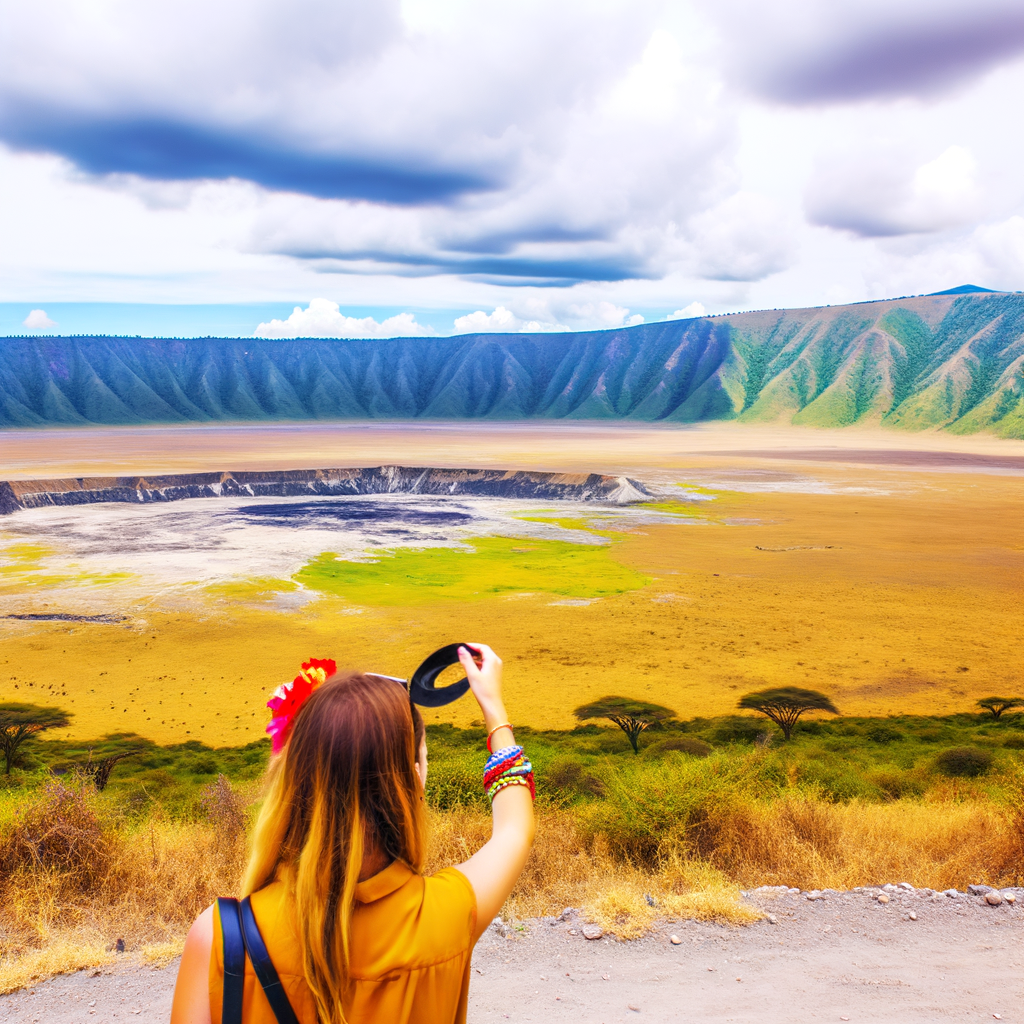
[785, 704]
[19, 721]
[997, 705]
[631, 716]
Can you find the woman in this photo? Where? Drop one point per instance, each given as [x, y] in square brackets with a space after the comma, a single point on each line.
[355, 931]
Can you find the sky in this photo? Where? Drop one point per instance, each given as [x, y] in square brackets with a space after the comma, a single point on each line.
[417, 167]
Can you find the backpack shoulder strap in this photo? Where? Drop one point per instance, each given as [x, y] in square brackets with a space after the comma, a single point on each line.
[264, 967]
[234, 960]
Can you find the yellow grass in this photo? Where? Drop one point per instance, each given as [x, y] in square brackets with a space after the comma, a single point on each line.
[152, 880]
[63, 955]
[898, 602]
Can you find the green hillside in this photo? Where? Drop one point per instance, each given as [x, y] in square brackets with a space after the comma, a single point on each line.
[953, 361]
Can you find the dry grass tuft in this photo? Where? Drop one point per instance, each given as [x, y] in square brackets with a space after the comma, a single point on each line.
[63, 955]
[161, 954]
[62, 911]
[564, 870]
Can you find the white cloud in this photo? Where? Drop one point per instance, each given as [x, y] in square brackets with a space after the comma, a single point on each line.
[694, 309]
[324, 319]
[584, 159]
[882, 193]
[502, 321]
[535, 315]
[602, 314]
[37, 320]
[745, 238]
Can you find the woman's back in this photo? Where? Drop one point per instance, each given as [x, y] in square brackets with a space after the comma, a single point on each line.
[354, 932]
[412, 939]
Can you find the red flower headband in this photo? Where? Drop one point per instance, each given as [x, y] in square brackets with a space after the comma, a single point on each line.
[289, 697]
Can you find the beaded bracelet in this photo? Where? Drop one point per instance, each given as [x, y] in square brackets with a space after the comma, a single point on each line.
[508, 767]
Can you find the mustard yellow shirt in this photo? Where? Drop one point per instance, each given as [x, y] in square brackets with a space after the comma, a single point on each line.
[412, 939]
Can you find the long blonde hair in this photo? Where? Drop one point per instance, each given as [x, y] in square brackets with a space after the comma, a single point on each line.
[345, 782]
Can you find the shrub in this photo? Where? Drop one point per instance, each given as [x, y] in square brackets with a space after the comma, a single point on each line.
[456, 781]
[59, 833]
[1015, 741]
[884, 734]
[895, 783]
[737, 728]
[685, 745]
[698, 806]
[225, 811]
[569, 776]
[835, 779]
[964, 762]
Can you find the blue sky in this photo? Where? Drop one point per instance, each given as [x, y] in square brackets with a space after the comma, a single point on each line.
[430, 166]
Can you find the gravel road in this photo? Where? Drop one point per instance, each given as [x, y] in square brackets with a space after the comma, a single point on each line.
[844, 956]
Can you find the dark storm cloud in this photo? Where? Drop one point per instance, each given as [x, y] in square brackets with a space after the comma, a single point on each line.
[898, 60]
[542, 271]
[164, 150]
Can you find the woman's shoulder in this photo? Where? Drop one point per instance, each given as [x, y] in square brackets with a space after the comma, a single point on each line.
[452, 888]
[425, 920]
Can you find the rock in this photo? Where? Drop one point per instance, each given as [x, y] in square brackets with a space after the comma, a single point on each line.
[815, 895]
[882, 898]
[566, 914]
[979, 890]
[592, 931]
[912, 916]
[1009, 897]
[951, 893]
[793, 892]
[772, 919]
[993, 899]
[889, 887]
[572, 931]
[635, 1009]
[675, 940]
[500, 927]
[907, 886]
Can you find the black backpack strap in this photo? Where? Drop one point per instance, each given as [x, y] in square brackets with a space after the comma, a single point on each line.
[234, 960]
[264, 967]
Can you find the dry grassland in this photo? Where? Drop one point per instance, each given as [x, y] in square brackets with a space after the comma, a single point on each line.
[907, 601]
[145, 883]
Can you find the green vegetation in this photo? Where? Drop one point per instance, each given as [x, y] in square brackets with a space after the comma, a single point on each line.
[995, 706]
[889, 363]
[492, 566]
[865, 759]
[964, 762]
[785, 704]
[631, 716]
[20, 721]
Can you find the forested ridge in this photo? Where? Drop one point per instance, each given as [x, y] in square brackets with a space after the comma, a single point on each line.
[951, 361]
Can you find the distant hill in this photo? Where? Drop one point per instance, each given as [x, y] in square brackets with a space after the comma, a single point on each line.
[953, 360]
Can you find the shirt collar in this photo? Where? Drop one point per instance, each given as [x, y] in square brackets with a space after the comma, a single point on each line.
[384, 883]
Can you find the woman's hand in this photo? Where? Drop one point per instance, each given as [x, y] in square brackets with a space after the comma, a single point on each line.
[495, 867]
[483, 670]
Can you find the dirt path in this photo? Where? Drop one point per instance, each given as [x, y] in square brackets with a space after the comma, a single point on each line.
[843, 957]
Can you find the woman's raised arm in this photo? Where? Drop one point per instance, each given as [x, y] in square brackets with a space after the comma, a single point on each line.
[494, 869]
